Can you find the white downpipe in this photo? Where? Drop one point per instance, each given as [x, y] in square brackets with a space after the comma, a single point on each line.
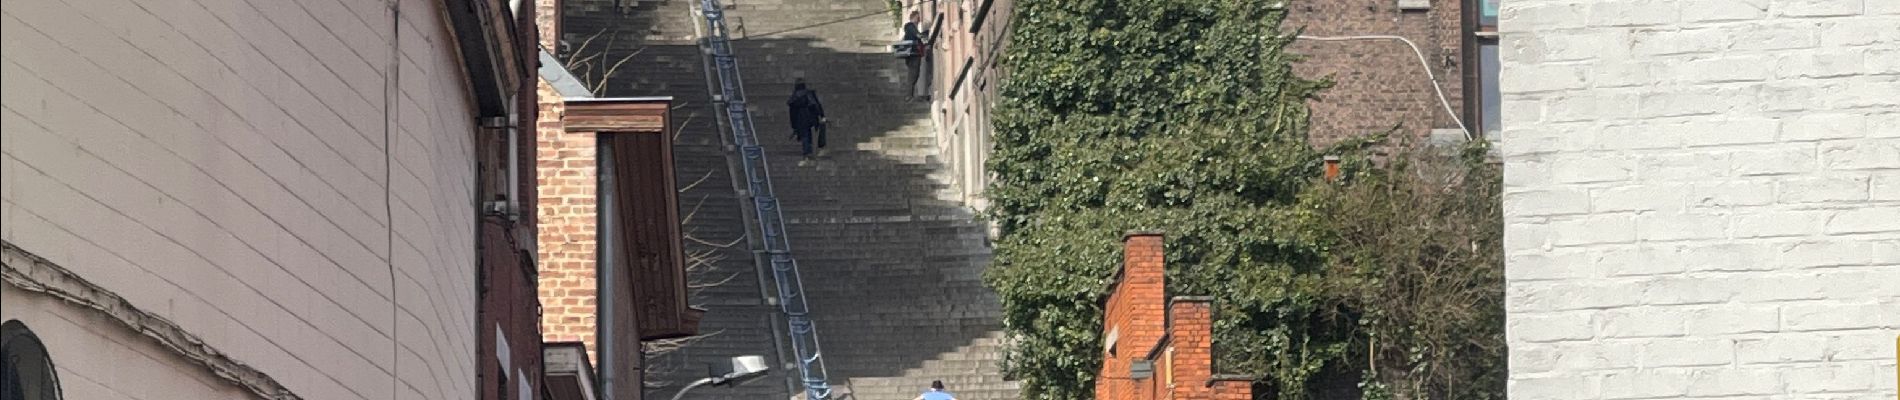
[1440, 90]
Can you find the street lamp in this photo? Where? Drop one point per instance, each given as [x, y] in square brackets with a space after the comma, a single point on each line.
[743, 369]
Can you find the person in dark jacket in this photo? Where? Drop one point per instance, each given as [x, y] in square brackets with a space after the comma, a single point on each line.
[918, 84]
[807, 115]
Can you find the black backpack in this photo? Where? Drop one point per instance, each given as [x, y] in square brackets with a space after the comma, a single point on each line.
[807, 102]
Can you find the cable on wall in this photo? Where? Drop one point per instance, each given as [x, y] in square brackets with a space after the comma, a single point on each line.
[1436, 88]
[392, 87]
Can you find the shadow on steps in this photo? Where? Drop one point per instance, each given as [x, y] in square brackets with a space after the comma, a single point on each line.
[888, 297]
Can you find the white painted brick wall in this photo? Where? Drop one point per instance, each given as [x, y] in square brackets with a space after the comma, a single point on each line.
[222, 163]
[1702, 198]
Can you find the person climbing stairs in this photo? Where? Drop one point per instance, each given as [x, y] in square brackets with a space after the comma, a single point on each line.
[891, 260]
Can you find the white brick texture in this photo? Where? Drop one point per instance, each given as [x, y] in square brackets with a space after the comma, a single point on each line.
[1702, 198]
[224, 164]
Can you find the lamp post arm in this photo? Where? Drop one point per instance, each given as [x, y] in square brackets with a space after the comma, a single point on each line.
[690, 387]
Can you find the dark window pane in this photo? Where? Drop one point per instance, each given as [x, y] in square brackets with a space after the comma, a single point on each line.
[28, 372]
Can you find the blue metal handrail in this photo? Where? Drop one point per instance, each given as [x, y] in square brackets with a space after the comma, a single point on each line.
[791, 288]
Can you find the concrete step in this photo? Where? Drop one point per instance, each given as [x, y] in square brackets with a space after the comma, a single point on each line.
[889, 258]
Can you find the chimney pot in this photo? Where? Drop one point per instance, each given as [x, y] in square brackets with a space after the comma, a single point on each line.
[1332, 168]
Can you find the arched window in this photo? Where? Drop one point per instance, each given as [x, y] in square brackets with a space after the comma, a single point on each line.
[28, 370]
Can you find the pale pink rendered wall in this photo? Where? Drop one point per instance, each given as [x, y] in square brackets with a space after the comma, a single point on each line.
[109, 364]
[224, 164]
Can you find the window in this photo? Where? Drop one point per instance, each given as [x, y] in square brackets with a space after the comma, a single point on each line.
[501, 382]
[28, 370]
[1490, 120]
[1488, 15]
[1485, 95]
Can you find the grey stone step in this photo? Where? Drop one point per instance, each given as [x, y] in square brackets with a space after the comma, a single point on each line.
[889, 258]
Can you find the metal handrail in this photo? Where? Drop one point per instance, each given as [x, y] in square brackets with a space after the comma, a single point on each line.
[778, 245]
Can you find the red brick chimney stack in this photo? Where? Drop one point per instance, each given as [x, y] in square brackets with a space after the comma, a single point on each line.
[1190, 339]
[1141, 293]
[1174, 340]
[1135, 317]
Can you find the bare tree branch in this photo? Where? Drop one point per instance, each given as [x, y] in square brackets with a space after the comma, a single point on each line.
[609, 73]
[702, 178]
[662, 367]
[728, 244]
[582, 49]
[699, 264]
[683, 123]
[699, 286]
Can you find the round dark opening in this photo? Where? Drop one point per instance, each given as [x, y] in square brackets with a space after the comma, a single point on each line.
[28, 371]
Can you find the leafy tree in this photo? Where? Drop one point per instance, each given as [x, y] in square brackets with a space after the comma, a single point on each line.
[1417, 242]
[1185, 117]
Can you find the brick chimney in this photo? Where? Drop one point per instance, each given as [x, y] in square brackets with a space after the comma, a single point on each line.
[1172, 340]
[1135, 317]
[1188, 361]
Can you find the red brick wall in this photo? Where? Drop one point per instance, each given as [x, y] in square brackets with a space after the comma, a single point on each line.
[1191, 330]
[1233, 390]
[1184, 364]
[547, 20]
[564, 170]
[1379, 84]
[1135, 310]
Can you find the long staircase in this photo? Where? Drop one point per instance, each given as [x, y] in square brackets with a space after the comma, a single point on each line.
[891, 262]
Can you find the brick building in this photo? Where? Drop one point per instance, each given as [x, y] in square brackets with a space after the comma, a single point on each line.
[564, 172]
[1702, 198]
[1156, 347]
[240, 199]
[637, 268]
[1379, 84]
[611, 259]
[966, 74]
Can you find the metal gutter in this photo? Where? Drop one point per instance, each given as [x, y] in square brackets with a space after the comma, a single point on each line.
[563, 81]
[471, 22]
[612, 99]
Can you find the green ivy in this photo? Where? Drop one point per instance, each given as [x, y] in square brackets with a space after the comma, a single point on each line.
[1183, 117]
[1165, 115]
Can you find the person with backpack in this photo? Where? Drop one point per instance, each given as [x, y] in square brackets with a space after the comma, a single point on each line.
[807, 115]
[936, 392]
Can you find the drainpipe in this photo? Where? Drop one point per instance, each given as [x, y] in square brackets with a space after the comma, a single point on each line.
[511, 206]
[514, 160]
[605, 256]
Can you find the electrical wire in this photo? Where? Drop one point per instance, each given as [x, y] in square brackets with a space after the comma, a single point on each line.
[1436, 88]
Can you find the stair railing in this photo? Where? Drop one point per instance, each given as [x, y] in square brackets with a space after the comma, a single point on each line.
[791, 288]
